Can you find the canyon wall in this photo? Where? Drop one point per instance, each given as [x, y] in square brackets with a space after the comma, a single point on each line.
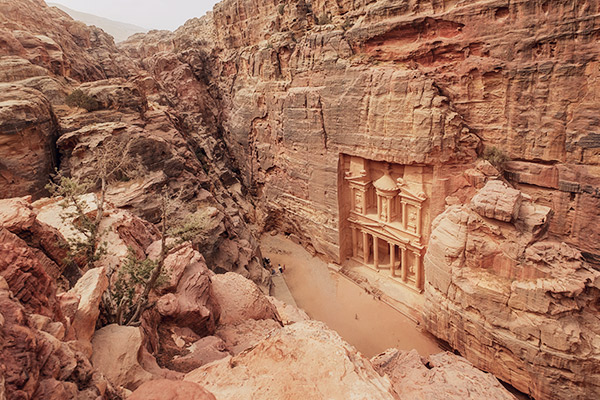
[413, 83]
[304, 86]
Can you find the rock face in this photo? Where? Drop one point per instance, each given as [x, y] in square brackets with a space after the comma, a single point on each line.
[164, 389]
[35, 364]
[240, 299]
[441, 376]
[514, 305]
[302, 360]
[28, 133]
[419, 84]
[51, 39]
[302, 83]
[116, 350]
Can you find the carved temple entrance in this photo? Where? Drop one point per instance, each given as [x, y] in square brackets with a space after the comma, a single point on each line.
[383, 211]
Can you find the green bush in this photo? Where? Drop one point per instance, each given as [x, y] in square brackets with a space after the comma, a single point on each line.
[281, 9]
[496, 157]
[323, 20]
[78, 98]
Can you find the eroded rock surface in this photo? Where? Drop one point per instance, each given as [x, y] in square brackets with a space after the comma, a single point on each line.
[240, 299]
[514, 304]
[302, 360]
[116, 350]
[441, 376]
[164, 389]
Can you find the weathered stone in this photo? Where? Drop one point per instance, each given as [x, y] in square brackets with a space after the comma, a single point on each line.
[89, 290]
[164, 389]
[513, 306]
[116, 350]
[24, 268]
[240, 299]
[201, 352]
[243, 335]
[192, 301]
[302, 360]
[26, 163]
[498, 201]
[287, 312]
[443, 376]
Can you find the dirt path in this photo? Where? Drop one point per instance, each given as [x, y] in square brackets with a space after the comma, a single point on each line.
[365, 322]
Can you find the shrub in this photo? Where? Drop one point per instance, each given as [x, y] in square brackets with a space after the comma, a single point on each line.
[496, 157]
[78, 98]
[347, 24]
[281, 9]
[323, 20]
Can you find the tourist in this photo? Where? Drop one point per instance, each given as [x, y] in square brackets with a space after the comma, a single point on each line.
[280, 269]
[272, 271]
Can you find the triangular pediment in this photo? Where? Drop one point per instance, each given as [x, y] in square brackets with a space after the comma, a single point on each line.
[408, 194]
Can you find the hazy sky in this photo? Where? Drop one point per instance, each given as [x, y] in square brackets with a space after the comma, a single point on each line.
[151, 14]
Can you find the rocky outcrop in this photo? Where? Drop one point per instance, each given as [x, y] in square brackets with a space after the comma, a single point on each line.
[115, 353]
[88, 290]
[189, 298]
[51, 39]
[164, 389]
[36, 364]
[18, 217]
[441, 376]
[28, 133]
[302, 360]
[511, 303]
[240, 299]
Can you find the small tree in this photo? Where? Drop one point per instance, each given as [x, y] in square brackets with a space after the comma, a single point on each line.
[113, 160]
[496, 157]
[77, 98]
[128, 295]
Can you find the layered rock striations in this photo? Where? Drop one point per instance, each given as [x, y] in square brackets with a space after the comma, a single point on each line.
[514, 303]
[430, 85]
[253, 114]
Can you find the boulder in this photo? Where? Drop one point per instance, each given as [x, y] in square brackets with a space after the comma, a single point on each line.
[441, 376]
[25, 165]
[288, 313]
[498, 201]
[115, 354]
[201, 352]
[240, 299]
[163, 389]
[246, 334]
[89, 290]
[302, 360]
[189, 300]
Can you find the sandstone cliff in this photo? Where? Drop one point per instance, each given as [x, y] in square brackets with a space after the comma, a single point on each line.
[253, 113]
[425, 84]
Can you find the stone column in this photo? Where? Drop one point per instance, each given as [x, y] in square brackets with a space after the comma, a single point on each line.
[404, 216]
[393, 259]
[404, 266]
[365, 247]
[376, 251]
[418, 271]
[364, 201]
[419, 221]
[354, 243]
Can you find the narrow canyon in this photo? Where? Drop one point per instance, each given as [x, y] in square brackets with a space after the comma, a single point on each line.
[426, 171]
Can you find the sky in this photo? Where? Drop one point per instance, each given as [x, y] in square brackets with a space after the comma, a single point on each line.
[151, 14]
